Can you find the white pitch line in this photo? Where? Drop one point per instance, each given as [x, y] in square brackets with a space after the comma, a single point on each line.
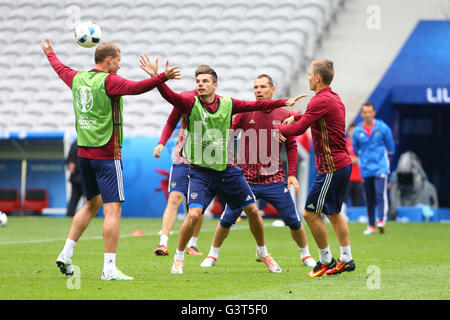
[101, 237]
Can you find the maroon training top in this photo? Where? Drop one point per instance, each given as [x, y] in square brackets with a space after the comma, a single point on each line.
[172, 121]
[263, 122]
[325, 115]
[185, 103]
[115, 86]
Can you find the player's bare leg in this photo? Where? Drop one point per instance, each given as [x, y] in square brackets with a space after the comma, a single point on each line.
[257, 229]
[111, 230]
[299, 236]
[170, 213]
[79, 223]
[317, 227]
[340, 227]
[300, 239]
[186, 231]
[192, 244]
[320, 234]
[188, 226]
[341, 230]
[111, 225]
[256, 224]
[220, 235]
[198, 226]
[84, 216]
[168, 221]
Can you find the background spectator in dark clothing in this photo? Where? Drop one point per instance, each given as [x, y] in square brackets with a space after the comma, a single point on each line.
[75, 180]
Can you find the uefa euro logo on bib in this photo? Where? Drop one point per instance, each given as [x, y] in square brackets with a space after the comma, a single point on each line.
[84, 99]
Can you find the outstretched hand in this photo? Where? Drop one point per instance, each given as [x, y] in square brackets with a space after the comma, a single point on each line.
[292, 181]
[172, 72]
[47, 48]
[289, 120]
[157, 150]
[292, 101]
[278, 136]
[148, 66]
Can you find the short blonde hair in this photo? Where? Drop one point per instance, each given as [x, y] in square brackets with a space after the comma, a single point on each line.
[106, 49]
[324, 68]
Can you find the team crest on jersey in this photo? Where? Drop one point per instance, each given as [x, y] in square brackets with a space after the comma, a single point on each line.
[276, 122]
[173, 185]
[252, 121]
[194, 195]
[84, 99]
[205, 117]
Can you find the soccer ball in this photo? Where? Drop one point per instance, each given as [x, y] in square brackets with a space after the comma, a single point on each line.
[88, 34]
[3, 219]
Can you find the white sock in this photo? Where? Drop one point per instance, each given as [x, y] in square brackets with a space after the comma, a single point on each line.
[179, 254]
[192, 242]
[262, 251]
[325, 255]
[163, 240]
[304, 252]
[214, 252]
[346, 254]
[109, 266]
[68, 248]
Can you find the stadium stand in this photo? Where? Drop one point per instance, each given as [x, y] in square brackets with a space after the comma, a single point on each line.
[237, 38]
[377, 44]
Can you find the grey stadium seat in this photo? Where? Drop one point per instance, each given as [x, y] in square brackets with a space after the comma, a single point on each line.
[239, 38]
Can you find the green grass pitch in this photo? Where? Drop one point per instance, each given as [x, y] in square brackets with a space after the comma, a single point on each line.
[409, 261]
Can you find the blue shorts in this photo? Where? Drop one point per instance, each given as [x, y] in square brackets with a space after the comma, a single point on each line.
[278, 195]
[102, 177]
[328, 190]
[230, 185]
[179, 178]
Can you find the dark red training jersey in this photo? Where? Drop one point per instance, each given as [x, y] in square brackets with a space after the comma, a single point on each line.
[115, 87]
[185, 103]
[263, 122]
[325, 115]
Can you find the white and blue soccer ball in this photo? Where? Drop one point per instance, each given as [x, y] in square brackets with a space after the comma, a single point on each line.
[3, 219]
[88, 34]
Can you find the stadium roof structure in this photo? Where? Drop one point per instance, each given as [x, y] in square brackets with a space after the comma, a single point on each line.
[420, 72]
[31, 145]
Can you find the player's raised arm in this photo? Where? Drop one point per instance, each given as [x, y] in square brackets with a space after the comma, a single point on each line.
[240, 106]
[152, 68]
[64, 72]
[293, 100]
[118, 86]
[47, 48]
[312, 114]
[179, 101]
